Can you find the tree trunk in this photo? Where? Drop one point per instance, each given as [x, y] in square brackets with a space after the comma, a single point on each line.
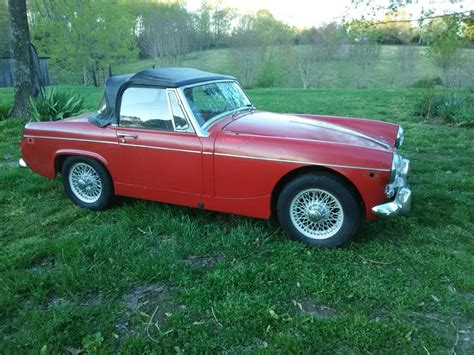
[94, 75]
[20, 47]
[84, 75]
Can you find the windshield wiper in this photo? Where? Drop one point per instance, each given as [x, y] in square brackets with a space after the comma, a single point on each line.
[249, 107]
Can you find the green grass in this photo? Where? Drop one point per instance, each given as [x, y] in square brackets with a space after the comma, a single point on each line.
[337, 73]
[215, 282]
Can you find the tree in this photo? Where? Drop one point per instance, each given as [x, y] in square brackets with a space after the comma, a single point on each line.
[364, 51]
[443, 34]
[407, 56]
[82, 36]
[203, 26]
[4, 29]
[26, 80]
[394, 29]
[467, 27]
[245, 50]
[221, 19]
[166, 33]
[254, 41]
[318, 46]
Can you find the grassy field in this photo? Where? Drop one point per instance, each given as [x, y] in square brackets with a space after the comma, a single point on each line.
[144, 276]
[337, 73]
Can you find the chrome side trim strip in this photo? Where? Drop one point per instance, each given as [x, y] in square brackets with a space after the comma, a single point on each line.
[302, 162]
[122, 144]
[161, 148]
[337, 128]
[70, 139]
[303, 140]
[211, 153]
[344, 117]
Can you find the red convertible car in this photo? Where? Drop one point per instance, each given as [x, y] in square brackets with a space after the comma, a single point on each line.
[193, 138]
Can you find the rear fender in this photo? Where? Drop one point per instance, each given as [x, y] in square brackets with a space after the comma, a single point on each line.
[63, 153]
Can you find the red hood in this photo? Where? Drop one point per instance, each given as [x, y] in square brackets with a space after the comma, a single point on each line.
[360, 132]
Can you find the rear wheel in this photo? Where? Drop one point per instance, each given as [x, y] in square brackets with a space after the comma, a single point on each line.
[319, 209]
[87, 183]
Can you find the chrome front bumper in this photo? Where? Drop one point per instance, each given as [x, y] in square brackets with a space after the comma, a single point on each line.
[22, 163]
[401, 204]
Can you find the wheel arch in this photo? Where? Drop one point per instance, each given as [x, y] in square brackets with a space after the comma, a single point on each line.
[62, 155]
[312, 169]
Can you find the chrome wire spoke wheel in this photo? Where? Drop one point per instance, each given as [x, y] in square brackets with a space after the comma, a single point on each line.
[85, 182]
[316, 213]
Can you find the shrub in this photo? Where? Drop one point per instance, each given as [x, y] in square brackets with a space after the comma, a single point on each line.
[56, 105]
[427, 83]
[424, 107]
[5, 111]
[268, 74]
[450, 108]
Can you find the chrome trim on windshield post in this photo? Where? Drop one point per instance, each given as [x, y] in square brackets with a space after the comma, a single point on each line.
[189, 113]
[200, 131]
[180, 103]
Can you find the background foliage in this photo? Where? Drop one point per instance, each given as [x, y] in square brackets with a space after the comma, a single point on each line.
[84, 38]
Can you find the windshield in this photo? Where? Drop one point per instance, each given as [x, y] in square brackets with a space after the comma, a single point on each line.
[211, 101]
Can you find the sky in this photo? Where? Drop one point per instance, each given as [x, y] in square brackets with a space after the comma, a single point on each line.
[308, 13]
[298, 13]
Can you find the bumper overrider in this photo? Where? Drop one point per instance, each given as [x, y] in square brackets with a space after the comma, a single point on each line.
[397, 190]
[22, 163]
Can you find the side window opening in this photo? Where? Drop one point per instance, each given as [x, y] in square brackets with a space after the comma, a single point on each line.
[146, 108]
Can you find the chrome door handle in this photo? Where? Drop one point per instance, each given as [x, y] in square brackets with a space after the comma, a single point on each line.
[126, 135]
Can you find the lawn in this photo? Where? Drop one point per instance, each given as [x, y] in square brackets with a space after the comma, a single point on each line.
[337, 73]
[144, 276]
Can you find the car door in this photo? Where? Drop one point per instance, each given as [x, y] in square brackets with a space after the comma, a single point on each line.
[158, 148]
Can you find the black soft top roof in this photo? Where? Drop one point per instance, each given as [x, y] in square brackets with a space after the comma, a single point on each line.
[162, 77]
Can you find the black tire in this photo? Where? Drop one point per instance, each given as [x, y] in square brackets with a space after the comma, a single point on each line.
[100, 200]
[337, 230]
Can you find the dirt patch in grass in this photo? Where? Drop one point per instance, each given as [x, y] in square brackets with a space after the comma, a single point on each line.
[309, 307]
[255, 346]
[202, 262]
[380, 315]
[468, 296]
[456, 329]
[148, 311]
[92, 299]
[45, 262]
[58, 302]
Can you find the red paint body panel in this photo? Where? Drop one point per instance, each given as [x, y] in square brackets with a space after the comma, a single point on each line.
[235, 169]
[377, 129]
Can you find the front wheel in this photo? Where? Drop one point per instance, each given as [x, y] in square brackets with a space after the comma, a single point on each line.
[319, 209]
[87, 183]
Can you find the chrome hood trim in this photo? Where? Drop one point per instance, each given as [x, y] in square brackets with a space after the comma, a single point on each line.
[337, 128]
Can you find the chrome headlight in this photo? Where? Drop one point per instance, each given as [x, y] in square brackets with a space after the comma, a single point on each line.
[400, 137]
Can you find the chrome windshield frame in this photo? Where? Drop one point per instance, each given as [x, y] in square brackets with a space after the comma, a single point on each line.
[203, 131]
